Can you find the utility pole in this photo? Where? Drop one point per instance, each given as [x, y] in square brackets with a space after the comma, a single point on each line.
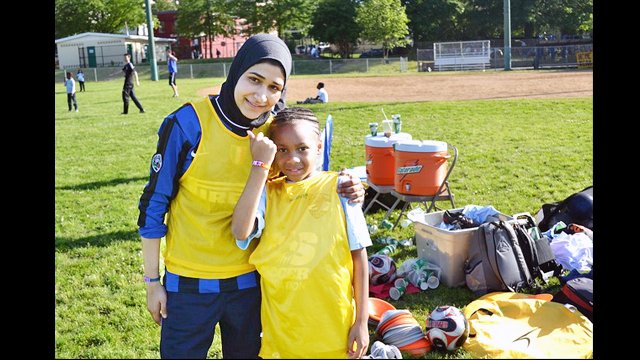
[507, 34]
[152, 44]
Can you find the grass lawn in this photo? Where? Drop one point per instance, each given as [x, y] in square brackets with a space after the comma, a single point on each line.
[513, 154]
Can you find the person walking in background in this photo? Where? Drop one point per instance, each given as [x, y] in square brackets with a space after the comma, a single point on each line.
[80, 76]
[197, 174]
[312, 255]
[70, 84]
[218, 53]
[127, 89]
[321, 97]
[172, 65]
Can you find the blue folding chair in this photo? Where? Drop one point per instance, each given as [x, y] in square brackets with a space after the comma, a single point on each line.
[327, 136]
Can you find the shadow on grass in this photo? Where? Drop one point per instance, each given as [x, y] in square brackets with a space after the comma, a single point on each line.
[100, 184]
[65, 244]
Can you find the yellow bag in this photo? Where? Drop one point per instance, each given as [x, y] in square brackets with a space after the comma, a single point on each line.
[515, 325]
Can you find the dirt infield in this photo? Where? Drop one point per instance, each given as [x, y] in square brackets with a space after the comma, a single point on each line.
[438, 87]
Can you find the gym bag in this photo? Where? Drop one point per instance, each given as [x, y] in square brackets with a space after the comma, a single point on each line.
[579, 293]
[575, 209]
[508, 256]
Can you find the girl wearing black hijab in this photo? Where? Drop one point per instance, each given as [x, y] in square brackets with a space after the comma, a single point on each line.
[197, 174]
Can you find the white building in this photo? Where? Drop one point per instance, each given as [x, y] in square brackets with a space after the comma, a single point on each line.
[90, 49]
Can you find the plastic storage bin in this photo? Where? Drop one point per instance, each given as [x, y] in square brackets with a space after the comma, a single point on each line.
[446, 248]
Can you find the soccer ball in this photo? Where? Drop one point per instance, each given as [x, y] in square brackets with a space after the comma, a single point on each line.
[447, 328]
[382, 269]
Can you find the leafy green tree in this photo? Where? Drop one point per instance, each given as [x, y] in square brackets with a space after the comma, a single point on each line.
[279, 15]
[383, 21]
[434, 20]
[565, 16]
[334, 22]
[483, 19]
[163, 5]
[105, 16]
[208, 17]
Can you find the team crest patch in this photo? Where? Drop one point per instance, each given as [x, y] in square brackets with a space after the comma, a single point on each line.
[156, 162]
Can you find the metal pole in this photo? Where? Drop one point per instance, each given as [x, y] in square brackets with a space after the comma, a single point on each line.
[152, 43]
[507, 34]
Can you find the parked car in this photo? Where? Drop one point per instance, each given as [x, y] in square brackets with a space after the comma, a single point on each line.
[372, 53]
[322, 46]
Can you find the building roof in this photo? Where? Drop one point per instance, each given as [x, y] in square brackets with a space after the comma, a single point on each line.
[116, 36]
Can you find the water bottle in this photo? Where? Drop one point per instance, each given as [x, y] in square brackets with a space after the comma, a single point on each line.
[397, 123]
[387, 250]
[398, 289]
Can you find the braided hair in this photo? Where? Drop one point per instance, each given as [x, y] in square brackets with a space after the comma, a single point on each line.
[290, 115]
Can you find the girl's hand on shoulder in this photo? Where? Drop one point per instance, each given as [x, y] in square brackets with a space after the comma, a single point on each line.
[352, 188]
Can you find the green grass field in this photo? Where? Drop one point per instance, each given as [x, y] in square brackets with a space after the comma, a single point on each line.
[513, 154]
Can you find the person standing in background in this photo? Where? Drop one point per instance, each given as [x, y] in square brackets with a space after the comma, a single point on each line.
[172, 64]
[70, 84]
[80, 76]
[127, 89]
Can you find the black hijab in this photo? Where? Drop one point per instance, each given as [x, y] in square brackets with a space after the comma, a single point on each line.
[256, 49]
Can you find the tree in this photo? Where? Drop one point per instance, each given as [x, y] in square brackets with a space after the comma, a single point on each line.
[163, 5]
[435, 20]
[334, 22]
[279, 15]
[105, 16]
[208, 17]
[483, 19]
[383, 21]
[565, 16]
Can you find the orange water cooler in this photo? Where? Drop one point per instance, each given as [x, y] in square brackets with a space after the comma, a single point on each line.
[420, 166]
[379, 157]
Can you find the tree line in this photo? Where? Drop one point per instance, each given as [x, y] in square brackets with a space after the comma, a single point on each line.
[343, 23]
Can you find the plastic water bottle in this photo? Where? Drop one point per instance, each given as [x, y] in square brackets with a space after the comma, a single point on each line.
[398, 289]
[387, 250]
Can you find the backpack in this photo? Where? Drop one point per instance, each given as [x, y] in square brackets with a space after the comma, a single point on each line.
[508, 256]
[576, 209]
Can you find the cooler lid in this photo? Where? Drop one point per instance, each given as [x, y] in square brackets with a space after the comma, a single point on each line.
[421, 146]
[382, 141]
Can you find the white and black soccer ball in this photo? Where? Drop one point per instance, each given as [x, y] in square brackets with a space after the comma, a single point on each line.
[382, 269]
[447, 328]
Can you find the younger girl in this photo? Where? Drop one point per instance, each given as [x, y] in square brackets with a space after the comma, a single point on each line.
[312, 252]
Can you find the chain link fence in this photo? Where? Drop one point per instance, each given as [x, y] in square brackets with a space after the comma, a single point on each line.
[539, 57]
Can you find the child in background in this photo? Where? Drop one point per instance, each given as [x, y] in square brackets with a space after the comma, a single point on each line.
[71, 91]
[322, 96]
[80, 76]
[312, 252]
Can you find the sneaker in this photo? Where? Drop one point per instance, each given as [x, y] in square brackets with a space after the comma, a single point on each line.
[142, 111]
[76, 110]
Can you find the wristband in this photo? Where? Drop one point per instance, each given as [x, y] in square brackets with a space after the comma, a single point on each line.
[150, 280]
[260, 164]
